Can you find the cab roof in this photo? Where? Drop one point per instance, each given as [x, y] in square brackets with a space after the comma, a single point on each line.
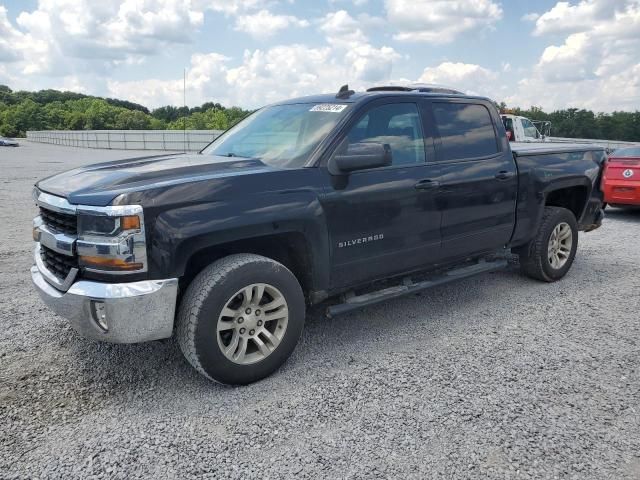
[361, 97]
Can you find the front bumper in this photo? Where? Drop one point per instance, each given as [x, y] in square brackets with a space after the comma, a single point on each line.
[133, 312]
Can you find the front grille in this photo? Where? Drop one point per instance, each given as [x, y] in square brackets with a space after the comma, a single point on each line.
[60, 222]
[57, 263]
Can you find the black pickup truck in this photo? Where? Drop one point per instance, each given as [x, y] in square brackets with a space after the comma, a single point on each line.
[352, 199]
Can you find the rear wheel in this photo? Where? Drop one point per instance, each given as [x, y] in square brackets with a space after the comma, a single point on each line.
[549, 256]
[241, 318]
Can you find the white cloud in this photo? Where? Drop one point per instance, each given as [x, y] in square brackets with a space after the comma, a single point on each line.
[229, 7]
[341, 28]
[605, 41]
[468, 77]
[264, 24]
[572, 61]
[105, 34]
[59, 31]
[440, 21]
[589, 50]
[565, 17]
[369, 64]
[9, 38]
[597, 64]
[265, 76]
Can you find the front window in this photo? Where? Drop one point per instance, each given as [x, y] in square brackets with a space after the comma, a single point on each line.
[280, 135]
[530, 130]
[397, 125]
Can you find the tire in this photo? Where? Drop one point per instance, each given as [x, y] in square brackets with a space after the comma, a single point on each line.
[234, 284]
[535, 257]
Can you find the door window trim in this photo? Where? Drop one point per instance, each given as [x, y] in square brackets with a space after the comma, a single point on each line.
[429, 150]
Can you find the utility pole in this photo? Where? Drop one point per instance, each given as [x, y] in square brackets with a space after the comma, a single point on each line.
[184, 116]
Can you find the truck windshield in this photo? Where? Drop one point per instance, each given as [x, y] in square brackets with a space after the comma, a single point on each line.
[280, 135]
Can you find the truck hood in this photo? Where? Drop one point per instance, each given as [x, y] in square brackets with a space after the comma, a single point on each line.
[100, 183]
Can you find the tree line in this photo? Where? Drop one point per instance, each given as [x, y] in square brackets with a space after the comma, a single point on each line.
[55, 110]
[579, 123]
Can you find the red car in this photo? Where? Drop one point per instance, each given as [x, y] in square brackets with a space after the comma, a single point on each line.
[621, 177]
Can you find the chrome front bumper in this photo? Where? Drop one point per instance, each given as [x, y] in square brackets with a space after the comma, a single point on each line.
[132, 312]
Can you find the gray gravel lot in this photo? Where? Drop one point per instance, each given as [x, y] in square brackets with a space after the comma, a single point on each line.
[498, 376]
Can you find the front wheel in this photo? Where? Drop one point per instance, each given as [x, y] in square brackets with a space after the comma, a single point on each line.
[549, 256]
[240, 318]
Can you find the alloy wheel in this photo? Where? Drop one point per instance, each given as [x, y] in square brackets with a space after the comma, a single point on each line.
[560, 243]
[252, 323]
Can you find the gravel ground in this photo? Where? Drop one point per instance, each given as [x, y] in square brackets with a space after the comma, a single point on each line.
[498, 376]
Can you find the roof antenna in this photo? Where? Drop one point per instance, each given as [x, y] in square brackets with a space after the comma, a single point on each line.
[344, 92]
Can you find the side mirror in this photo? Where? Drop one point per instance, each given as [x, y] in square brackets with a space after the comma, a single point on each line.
[361, 156]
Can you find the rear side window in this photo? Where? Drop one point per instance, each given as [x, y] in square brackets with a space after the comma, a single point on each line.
[466, 131]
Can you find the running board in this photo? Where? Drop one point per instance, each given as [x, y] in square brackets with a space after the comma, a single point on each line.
[409, 287]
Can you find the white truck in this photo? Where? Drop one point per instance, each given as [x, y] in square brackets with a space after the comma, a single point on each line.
[522, 129]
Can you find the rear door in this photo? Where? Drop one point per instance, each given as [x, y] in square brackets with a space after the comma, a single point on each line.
[478, 177]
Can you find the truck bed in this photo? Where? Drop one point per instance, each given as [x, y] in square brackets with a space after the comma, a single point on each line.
[521, 149]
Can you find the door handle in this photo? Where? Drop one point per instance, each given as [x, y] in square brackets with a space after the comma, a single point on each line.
[504, 175]
[427, 184]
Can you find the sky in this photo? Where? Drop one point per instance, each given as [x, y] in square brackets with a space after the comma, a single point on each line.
[582, 54]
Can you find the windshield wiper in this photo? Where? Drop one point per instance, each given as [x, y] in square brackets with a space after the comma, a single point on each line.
[231, 154]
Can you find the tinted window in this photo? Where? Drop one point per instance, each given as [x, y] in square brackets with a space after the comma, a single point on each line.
[466, 131]
[397, 125]
[627, 152]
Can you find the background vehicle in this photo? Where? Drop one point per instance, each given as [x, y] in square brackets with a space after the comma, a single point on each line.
[8, 142]
[621, 177]
[521, 129]
[357, 197]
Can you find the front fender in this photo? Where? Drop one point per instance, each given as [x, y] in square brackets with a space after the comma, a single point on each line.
[180, 232]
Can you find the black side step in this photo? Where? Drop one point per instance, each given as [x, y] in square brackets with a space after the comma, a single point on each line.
[408, 287]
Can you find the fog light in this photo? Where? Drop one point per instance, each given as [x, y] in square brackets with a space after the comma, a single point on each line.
[99, 313]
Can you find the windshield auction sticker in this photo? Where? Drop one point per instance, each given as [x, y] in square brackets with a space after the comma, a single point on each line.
[328, 107]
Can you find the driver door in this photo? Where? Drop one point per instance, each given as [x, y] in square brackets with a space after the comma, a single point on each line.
[384, 220]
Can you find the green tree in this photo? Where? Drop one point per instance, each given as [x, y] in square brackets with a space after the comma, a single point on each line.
[17, 119]
[75, 121]
[132, 120]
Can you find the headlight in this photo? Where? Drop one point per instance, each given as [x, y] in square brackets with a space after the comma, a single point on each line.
[108, 226]
[112, 239]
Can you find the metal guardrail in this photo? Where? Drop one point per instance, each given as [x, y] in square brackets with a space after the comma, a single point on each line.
[192, 140]
[609, 145]
[174, 140]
